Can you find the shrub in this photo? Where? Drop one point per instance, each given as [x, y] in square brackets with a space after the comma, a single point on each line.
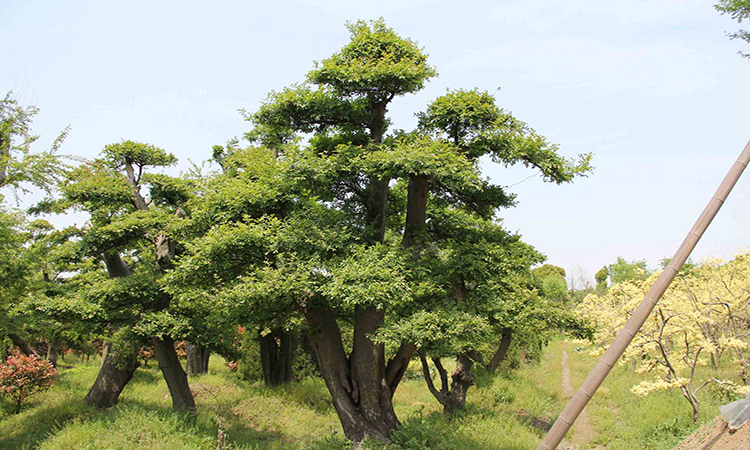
[23, 376]
[502, 395]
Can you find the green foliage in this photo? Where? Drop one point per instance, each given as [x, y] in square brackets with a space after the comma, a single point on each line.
[442, 333]
[137, 153]
[369, 276]
[18, 165]
[738, 10]
[623, 270]
[472, 121]
[376, 63]
[502, 395]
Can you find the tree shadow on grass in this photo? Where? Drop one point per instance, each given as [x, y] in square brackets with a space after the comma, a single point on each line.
[32, 426]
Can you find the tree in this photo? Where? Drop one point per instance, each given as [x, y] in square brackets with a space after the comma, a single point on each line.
[358, 229]
[623, 270]
[550, 282]
[18, 165]
[134, 239]
[738, 10]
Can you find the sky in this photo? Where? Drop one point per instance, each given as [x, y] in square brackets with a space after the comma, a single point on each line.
[654, 89]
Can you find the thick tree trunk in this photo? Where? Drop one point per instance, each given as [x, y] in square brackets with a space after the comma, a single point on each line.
[359, 390]
[117, 368]
[53, 351]
[276, 352]
[463, 379]
[502, 351]
[414, 238]
[197, 359]
[377, 196]
[177, 381]
[22, 345]
[116, 371]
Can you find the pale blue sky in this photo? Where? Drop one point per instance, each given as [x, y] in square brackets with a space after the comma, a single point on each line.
[653, 88]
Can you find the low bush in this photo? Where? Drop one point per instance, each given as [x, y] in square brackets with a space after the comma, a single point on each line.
[23, 376]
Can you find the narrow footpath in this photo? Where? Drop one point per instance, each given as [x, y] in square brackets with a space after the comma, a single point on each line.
[583, 431]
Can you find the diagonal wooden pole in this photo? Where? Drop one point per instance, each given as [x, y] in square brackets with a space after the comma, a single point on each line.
[623, 339]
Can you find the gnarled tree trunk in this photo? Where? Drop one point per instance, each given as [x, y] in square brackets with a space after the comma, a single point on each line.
[53, 351]
[276, 352]
[358, 385]
[116, 371]
[197, 359]
[453, 397]
[117, 367]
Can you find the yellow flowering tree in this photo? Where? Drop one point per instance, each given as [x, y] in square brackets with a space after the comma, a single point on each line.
[703, 317]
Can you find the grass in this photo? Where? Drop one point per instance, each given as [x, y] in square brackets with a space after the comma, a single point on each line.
[659, 421]
[508, 411]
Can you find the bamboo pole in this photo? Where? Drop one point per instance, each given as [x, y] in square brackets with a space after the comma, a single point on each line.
[626, 335]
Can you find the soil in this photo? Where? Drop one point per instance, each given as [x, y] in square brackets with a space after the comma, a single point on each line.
[715, 436]
[583, 432]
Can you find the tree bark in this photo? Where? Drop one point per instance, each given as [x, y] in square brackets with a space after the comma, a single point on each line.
[177, 382]
[397, 366]
[416, 214]
[53, 351]
[276, 352]
[502, 350]
[463, 379]
[358, 387]
[197, 359]
[453, 397]
[116, 371]
[117, 368]
[22, 345]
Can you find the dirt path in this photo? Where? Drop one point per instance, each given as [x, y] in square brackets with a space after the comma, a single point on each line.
[584, 432]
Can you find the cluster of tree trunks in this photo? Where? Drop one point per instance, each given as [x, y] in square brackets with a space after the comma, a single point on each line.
[276, 353]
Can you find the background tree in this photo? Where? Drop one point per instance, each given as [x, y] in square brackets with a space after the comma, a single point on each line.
[738, 10]
[19, 166]
[700, 318]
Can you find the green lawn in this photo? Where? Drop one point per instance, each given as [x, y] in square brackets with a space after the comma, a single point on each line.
[506, 412]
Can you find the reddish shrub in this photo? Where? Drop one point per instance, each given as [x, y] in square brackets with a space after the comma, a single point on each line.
[22, 376]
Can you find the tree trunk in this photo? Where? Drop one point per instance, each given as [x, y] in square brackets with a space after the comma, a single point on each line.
[502, 350]
[276, 352]
[116, 371]
[22, 345]
[397, 366]
[463, 379]
[357, 385]
[53, 351]
[416, 214]
[117, 368]
[453, 397]
[177, 381]
[197, 359]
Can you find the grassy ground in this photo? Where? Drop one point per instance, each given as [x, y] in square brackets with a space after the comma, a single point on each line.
[509, 411]
[623, 420]
[504, 412]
